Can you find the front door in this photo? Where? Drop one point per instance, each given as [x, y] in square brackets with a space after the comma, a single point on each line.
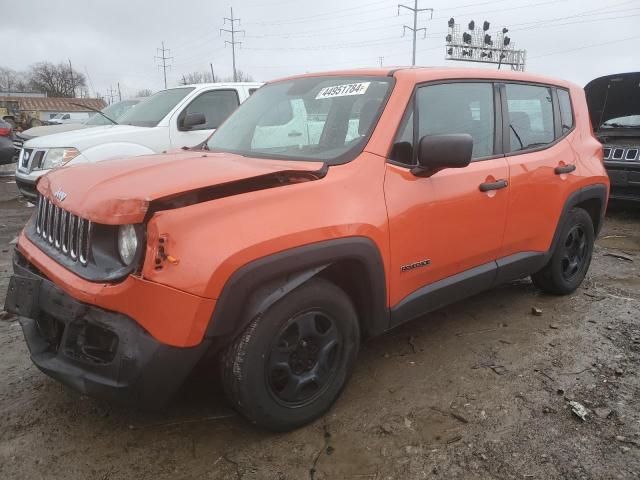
[216, 105]
[448, 227]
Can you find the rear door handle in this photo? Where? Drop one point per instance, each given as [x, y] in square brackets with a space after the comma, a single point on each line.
[497, 185]
[564, 169]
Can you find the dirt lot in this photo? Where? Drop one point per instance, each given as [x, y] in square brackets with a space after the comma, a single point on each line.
[478, 390]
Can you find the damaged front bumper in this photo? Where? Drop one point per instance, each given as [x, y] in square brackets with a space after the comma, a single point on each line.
[95, 351]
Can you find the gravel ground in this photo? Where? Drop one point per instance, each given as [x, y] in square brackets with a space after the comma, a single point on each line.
[478, 390]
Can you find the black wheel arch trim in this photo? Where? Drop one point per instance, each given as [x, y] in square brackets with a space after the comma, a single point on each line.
[253, 288]
[597, 191]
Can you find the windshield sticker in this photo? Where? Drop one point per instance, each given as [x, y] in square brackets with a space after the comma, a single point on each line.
[343, 90]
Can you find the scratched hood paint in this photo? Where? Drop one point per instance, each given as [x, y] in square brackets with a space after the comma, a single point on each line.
[119, 191]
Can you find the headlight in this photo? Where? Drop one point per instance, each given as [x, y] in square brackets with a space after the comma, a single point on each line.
[127, 243]
[57, 157]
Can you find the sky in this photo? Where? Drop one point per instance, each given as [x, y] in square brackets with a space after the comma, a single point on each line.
[116, 41]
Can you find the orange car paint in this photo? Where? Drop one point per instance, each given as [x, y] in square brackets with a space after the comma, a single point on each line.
[460, 226]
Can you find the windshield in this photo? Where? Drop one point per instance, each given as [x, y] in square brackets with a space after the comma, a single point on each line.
[114, 112]
[325, 118]
[150, 111]
[630, 121]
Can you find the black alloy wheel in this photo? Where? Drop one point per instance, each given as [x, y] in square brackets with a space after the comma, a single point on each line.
[571, 257]
[302, 360]
[291, 362]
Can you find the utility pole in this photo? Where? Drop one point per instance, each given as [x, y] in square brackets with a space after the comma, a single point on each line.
[73, 87]
[380, 59]
[415, 28]
[233, 32]
[164, 59]
[119, 93]
[111, 94]
[213, 77]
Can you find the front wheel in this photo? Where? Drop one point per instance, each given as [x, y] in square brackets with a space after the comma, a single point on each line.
[290, 365]
[571, 258]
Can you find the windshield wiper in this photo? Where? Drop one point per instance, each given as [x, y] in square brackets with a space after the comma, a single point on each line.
[95, 110]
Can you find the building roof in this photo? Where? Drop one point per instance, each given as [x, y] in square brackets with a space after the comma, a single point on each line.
[54, 104]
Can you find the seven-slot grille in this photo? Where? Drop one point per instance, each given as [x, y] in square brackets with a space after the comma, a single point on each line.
[63, 230]
[621, 154]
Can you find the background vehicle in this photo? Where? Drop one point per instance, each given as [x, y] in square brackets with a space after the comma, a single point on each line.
[11, 113]
[281, 251]
[113, 111]
[70, 117]
[173, 118]
[614, 106]
[8, 151]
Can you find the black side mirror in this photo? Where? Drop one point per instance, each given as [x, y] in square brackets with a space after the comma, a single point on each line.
[437, 152]
[192, 120]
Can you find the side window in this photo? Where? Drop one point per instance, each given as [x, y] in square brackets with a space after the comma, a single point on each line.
[402, 150]
[566, 113]
[459, 108]
[530, 112]
[66, 117]
[216, 105]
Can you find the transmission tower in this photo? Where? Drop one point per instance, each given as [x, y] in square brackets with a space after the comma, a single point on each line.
[232, 23]
[163, 51]
[415, 28]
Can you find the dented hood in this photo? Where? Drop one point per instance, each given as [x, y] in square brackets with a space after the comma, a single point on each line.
[613, 96]
[121, 191]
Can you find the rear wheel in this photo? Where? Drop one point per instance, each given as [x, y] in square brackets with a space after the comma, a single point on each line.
[289, 366]
[570, 261]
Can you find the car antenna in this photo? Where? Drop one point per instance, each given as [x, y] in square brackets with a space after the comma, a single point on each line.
[95, 110]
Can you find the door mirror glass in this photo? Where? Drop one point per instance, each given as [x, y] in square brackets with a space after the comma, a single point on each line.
[437, 152]
[193, 119]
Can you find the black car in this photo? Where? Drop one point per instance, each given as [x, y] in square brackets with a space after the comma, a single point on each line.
[8, 151]
[614, 107]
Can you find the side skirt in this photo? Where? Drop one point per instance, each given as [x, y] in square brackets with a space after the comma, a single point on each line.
[465, 284]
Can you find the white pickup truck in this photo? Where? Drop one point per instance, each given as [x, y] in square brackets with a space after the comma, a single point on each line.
[172, 118]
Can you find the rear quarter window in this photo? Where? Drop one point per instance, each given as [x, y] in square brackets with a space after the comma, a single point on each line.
[566, 111]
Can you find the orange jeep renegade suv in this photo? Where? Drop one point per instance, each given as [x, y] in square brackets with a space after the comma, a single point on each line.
[328, 208]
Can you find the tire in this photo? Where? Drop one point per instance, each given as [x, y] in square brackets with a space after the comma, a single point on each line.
[571, 257]
[313, 332]
[35, 122]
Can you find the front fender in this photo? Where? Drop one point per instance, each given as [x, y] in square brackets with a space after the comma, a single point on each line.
[252, 289]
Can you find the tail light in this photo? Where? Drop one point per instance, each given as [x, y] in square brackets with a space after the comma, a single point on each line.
[5, 132]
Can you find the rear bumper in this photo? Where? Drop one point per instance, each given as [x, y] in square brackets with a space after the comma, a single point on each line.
[97, 352]
[625, 180]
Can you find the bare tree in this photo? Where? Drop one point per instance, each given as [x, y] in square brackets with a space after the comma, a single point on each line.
[12, 81]
[145, 92]
[198, 77]
[242, 77]
[56, 80]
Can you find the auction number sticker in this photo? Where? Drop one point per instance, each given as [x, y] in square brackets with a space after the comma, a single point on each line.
[343, 90]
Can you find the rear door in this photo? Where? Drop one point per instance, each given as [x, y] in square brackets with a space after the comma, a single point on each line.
[541, 163]
[216, 105]
[445, 228]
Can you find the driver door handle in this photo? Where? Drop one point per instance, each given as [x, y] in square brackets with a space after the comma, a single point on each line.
[564, 169]
[497, 185]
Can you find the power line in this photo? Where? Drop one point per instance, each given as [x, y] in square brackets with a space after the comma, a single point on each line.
[415, 28]
[233, 42]
[584, 47]
[164, 65]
